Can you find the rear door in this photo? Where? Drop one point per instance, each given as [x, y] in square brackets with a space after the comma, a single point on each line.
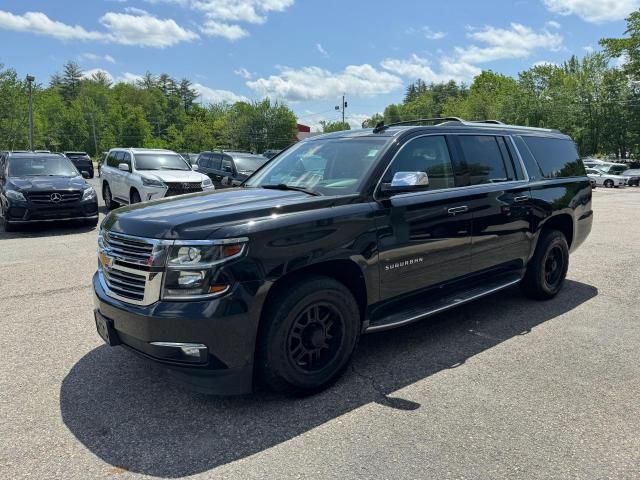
[499, 201]
[216, 169]
[424, 237]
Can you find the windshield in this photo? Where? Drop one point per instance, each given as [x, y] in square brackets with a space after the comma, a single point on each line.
[160, 161]
[334, 166]
[249, 163]
[41, 166]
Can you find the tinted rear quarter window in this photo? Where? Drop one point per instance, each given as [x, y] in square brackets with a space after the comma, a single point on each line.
[556, 157]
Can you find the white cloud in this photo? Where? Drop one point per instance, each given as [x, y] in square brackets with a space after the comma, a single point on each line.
[40, 24]
[544, 63]
[244, 73]
[97, 58]
[416, 67]
[589, 49]
[124, 28]
[432, 35]
[213, 28]
[223, 17]
[552, 24]
[315, 83]
[145, 30]
[128, 77]
[517, 42]
[210, 95]
[594, 11]
[321, 49]
[135, 11]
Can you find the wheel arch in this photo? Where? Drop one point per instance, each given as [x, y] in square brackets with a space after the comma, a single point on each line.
[562, 222]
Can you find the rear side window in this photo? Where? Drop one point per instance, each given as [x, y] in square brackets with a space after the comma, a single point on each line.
[484, 162]
[557, 157]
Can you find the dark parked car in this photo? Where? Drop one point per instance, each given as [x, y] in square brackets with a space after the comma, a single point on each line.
[82, 161]
[229, 169]
[41, 187]
[633, 177]
[340, 235]
[270, 153]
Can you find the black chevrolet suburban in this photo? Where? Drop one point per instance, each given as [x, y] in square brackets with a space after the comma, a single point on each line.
[342, 234]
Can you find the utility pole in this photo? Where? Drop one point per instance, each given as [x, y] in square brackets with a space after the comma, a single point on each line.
[30, 80]
[95, 139]
[342, 107]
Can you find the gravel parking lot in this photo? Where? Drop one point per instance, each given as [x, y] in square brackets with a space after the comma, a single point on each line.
[503, 388]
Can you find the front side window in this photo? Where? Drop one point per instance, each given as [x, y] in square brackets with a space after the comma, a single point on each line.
[331, 166]
[428, 154]
[227, 165]
[483, 158]
[160, 161]
[39, 166]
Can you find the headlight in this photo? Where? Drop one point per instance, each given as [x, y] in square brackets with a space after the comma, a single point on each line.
[207, 183]
[152, 182]
[192, 271]
[89, 194]
[15, 195]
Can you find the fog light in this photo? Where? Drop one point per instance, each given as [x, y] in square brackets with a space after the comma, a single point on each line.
[191, 351]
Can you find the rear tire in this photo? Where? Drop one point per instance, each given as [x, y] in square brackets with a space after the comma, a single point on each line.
[548, 267]
[608, 183]
[108, 198]
[308, 336]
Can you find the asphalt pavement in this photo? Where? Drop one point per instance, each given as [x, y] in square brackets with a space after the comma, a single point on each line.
[505, 387]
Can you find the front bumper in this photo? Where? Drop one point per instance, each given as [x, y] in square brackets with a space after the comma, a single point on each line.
[226, 326]
[27, 212]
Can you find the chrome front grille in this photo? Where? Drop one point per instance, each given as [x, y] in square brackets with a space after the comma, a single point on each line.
[55, 196]
[128, 267]
[129, 248]
[125, 283]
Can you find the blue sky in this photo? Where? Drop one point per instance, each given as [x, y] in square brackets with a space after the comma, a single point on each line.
[304, 52]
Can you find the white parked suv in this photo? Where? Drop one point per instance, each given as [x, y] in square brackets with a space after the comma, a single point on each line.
[133, 175]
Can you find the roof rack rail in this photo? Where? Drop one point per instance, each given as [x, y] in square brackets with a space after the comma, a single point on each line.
[497, 122]
[381, 126]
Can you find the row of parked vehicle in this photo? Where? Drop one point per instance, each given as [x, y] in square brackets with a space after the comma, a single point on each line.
[611, 174]
[133, 175]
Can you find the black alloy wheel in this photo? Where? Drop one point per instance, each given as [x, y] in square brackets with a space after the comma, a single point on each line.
[548, 267]
[308, 333]
[315, 337]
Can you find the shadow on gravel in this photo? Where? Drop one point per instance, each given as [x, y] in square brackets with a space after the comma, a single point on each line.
[132, 415]
[47, 229]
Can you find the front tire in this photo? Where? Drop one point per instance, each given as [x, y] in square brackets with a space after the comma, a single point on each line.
[309, 334]
[608, 183]
[108, 197]
[548, 267]
[135, 197]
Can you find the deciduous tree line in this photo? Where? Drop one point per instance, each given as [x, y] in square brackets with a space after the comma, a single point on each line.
[154, 112]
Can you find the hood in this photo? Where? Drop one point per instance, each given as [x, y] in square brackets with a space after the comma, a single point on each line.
[48, 183]
[202, 215]
[173, 175]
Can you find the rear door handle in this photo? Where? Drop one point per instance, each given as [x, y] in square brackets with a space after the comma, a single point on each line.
[521, 198]
[455, 210]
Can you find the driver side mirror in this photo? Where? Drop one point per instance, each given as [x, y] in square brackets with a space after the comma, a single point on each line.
[194, 167]
[85, 174]
[406, 182]
[124, 167]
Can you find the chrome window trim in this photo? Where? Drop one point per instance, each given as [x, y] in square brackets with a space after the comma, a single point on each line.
[456, 189]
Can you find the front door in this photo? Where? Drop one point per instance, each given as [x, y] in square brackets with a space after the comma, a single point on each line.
[423, 237]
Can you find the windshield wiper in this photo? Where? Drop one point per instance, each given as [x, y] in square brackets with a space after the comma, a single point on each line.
[284, 186]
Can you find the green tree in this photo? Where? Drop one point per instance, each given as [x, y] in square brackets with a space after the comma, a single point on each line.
[328, 127]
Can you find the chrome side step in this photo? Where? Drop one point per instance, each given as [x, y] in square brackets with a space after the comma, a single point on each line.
[445, 303]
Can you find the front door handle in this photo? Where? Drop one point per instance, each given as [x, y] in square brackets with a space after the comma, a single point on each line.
[456, 210]
[521, 198]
